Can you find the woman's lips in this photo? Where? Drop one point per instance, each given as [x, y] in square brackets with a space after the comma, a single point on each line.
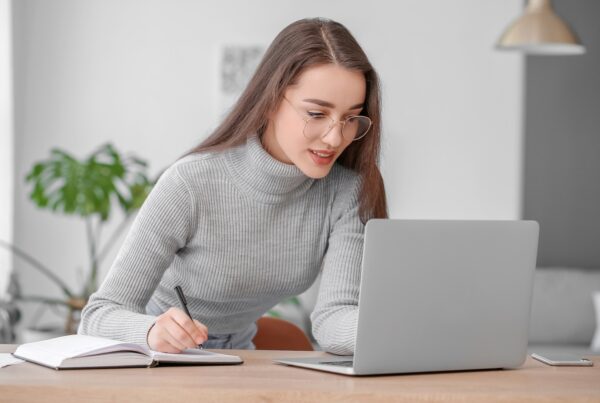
[321, 157]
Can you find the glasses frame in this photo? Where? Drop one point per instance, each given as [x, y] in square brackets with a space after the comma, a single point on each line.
[333, 122]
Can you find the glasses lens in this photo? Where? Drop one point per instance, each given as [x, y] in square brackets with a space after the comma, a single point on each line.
[317, 126]
[356, 127]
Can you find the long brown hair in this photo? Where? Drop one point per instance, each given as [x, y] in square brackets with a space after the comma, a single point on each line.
[305, 43]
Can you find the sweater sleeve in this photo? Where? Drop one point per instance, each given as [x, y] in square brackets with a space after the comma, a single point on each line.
[334, 318]
[160, 229]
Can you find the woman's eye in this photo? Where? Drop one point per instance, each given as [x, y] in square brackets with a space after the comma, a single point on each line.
[315, 114]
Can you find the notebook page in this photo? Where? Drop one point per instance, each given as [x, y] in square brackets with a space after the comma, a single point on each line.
[7, 359]
[60, 348]
[194, 355]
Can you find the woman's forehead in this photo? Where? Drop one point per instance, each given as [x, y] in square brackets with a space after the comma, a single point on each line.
[337, 85]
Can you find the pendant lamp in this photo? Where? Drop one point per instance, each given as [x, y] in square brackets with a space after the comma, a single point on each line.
[540, 31]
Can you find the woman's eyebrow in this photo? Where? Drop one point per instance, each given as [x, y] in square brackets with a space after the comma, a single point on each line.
[329, 104]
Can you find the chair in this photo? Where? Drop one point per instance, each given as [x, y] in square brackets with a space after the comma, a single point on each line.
[279, 334]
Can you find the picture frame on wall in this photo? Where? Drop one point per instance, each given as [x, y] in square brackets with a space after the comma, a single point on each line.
[237, 64]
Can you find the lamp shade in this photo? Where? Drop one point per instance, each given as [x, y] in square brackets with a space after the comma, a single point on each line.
[540, 31]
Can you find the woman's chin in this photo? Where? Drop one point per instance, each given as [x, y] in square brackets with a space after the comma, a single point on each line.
[315, 171]
[317, 175]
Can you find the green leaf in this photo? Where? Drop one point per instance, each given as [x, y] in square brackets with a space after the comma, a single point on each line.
[139, 162]
[90, 187]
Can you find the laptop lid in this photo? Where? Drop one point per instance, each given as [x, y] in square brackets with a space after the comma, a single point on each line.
[440, 295]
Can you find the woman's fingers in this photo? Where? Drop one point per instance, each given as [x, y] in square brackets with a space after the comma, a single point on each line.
[174, 342]
[179, 337]
[202, 328]
[160, 339]
[194, 329]
[180, 334]
[174, 331]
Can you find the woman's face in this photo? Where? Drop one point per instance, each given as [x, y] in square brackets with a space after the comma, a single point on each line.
[328, 90]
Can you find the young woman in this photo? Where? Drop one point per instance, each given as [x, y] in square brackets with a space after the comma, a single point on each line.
[279, 192]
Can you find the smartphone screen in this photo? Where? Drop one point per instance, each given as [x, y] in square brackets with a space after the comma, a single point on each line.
[563, 359]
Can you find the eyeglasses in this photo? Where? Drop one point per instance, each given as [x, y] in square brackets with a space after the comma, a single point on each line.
[317, 124]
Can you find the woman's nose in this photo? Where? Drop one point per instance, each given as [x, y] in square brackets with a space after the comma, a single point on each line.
[334, 136]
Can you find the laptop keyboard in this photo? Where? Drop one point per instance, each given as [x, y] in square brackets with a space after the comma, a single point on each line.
[338, 363]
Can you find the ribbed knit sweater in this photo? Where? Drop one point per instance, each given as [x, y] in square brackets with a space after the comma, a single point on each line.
[240, 232]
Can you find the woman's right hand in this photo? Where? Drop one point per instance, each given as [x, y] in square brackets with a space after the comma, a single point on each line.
[174, 331]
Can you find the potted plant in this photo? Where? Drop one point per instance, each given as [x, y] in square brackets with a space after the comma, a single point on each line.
[86, 189]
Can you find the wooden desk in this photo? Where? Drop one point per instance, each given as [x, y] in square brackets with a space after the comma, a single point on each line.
[260, 380]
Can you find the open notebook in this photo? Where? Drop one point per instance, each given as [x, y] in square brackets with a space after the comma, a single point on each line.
[79, 351]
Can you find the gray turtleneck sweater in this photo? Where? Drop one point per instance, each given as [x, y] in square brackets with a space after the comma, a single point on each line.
[240, 231]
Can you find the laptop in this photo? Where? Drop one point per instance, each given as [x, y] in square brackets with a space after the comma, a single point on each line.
[440, 295]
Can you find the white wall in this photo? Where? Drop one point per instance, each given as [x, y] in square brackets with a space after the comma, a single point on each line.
[452, 107]
[143, 75]
[6, 142]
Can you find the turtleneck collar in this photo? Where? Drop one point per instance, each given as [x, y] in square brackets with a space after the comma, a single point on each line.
[263, 177]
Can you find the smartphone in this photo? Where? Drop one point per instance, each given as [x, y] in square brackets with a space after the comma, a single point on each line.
[563, 360]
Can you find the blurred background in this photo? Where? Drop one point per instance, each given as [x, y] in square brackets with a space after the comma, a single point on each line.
[469, 131]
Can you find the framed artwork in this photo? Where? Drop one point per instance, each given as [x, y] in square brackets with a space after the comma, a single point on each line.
[237, 64]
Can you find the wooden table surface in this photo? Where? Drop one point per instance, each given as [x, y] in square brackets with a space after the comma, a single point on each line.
[258, 379]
